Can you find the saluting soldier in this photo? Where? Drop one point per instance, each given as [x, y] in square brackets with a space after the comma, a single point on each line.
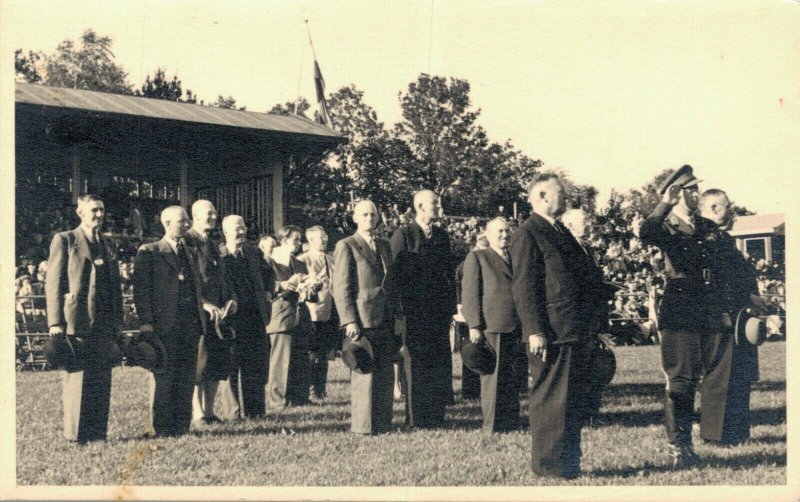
[685, 313]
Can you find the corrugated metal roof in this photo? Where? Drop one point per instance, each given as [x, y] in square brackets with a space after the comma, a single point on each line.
[757, 224]
[170, 110]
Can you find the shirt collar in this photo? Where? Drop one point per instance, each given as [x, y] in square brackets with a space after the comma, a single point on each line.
[426, 229]
[366, 236]
[88, 233]
[232, 249]
[203, 236]
[173, 244]
[501, 252]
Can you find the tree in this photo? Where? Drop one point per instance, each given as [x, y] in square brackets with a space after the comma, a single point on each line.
[452, 153]
[228, 103]
[27, 68]
[160, 88]
[90, 66]
[299, 107]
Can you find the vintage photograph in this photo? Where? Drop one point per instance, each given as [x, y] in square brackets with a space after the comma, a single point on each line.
[418, 250]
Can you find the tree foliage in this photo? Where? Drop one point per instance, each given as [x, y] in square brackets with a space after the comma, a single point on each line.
[89, 64]
[298, 107]
[159, 87]
[228, 103]
[28, 68]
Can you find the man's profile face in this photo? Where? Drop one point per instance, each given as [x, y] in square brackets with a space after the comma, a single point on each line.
[317, 241]
[717, 209]
[91, 214]
[550, 196]
[235, 232]
[205, 217]
[293, 241]
[177, 225]
[266, 246]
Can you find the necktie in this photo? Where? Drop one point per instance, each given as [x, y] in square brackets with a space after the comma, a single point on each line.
[95, 237]
[372, 246]
[506, 257]
[560, 227]
[179, 248]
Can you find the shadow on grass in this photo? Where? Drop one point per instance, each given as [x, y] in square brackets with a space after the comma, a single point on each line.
[654, 390]
[769, 386]
[631, 418]
[770, 416]
[735, 463]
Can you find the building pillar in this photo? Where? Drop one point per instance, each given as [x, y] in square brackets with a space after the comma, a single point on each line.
[278, 194]
[76, 174]
[186, 197]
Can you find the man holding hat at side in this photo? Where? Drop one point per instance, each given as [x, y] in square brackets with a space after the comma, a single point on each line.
[684, 316]
[361, 292]
[84, 313]
[492, 319]
[732, 360]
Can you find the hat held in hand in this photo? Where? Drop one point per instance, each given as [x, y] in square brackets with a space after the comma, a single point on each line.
[480, 357]
[683, 177]
[357, 355]
[749, 329]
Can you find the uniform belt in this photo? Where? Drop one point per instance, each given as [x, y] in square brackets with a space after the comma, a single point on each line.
[704, 276]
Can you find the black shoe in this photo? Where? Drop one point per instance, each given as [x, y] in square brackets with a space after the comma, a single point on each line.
[213, 419]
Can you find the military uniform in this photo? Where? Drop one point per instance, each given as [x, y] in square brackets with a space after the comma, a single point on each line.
[684, 315]
[730, 368]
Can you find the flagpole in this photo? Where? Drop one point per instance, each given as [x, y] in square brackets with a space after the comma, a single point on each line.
[310, 42]
[300, 76]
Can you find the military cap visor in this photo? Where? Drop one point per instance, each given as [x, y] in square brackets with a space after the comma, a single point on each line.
[683, 177]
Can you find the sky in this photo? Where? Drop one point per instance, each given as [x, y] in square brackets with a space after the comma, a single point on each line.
[612, 92]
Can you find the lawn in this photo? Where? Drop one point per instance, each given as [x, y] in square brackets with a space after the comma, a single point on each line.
[312, 446]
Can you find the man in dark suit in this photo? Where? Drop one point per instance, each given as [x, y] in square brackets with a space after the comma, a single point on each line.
[555, 289]
[289, 324]
[684, 319]
[84, 300]
[491, 314]
[731, 368]
[363, 296]
[244, 389]
[425, 271]
[470, 381]
[168, 298]
[213, 357]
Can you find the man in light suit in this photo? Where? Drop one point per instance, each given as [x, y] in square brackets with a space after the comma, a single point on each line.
[289, 325]
[363, 295]
[213, 357]
[84, 299]
[244, 388]
[555, 288]
[490, 313]
[168, 298]
[325, 328]
[426, 285]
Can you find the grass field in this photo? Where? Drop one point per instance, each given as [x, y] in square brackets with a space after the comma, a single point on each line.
[312, 446]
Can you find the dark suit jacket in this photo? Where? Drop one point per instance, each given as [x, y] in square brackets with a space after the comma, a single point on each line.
[555, 284]
[210, 267]
[70, 285]
[488, 304]
[156, 286]
[424, 273]
[286, 307]
[362, 284]
[254, 259]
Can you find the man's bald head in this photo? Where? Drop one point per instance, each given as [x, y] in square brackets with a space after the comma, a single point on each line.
[426, 205]
[715, 206]
[204, 215]
[175, 222]
[234, 230]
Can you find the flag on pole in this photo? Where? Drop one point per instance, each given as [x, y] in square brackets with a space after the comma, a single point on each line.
[319, 83]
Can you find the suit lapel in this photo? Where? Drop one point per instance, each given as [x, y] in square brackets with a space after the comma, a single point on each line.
[82, 244]
[365, 250]
[168, 254]
[499, 262]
